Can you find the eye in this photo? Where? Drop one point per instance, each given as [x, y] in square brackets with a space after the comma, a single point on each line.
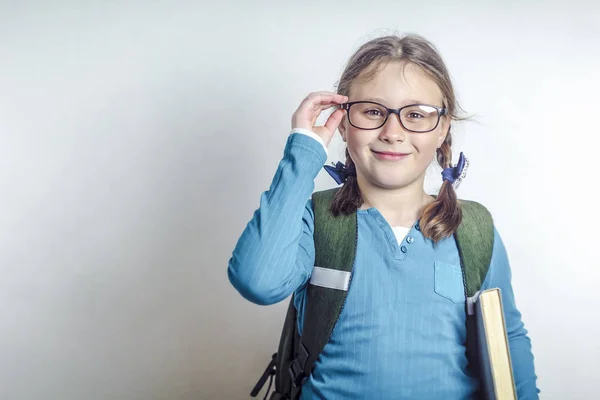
[374, 112]
[415, 115]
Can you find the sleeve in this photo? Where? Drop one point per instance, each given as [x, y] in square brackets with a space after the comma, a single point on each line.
[499, 276]
[275, 254]
[311, 134]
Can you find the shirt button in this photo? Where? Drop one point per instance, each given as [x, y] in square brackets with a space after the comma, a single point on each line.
[410, 239]
[404, 249]
[417, 227]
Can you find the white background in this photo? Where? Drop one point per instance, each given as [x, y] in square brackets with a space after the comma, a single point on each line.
[136, 139]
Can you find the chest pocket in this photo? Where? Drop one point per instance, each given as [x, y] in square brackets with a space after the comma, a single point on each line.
[449, 282]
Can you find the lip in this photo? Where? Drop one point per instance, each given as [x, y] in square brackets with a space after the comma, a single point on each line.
[390, 156]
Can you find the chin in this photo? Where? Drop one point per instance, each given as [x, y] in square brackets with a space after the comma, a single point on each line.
[388, 183]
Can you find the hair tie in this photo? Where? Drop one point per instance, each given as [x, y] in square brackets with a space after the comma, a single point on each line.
[457, 173]
[339, 172]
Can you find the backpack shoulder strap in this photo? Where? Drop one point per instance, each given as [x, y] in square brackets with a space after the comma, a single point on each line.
[288, 343]
[335, 250]
[475, 241]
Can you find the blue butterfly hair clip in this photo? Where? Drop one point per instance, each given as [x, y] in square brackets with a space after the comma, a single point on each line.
[339, 172]
[457, 173]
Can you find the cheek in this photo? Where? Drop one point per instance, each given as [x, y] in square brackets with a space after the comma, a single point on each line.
[425, 144]
[357, 139]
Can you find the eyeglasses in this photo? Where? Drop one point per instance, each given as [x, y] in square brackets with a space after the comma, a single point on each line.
[369, 115]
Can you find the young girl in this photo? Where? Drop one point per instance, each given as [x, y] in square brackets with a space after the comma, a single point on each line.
[402, 331]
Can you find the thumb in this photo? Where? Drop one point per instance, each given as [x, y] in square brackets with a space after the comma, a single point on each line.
[334, 121]
[326, 132]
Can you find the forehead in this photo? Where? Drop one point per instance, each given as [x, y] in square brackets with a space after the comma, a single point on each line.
[397, 84]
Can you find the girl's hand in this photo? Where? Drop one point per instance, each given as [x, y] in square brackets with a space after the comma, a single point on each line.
[312, 106]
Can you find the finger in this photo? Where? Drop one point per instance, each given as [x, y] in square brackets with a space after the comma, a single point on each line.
[331, 98]
[318, 108]
[314, 113]
[324, 107]
[334, 120]
[326, 94]
[322, 98]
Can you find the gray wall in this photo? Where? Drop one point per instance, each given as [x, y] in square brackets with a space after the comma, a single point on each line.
[136, 138]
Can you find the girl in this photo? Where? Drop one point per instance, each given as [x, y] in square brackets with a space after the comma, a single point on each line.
[401, 332]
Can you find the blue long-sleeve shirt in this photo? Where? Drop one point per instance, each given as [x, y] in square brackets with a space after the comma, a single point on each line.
[402, 331]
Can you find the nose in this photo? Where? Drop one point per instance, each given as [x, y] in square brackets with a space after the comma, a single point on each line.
[393, 131]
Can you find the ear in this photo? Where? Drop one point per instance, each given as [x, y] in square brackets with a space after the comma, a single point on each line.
[444, 130]
[342, 129]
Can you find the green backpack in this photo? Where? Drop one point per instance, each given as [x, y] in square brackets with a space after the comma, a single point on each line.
[335, 248]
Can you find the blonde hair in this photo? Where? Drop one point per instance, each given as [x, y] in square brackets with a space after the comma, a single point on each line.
[442, 217]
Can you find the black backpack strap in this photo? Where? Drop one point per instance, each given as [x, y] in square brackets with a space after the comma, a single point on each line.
[475, 242]
[288, 342]
[335, 249]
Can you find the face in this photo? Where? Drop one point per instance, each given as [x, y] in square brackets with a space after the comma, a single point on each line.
[396, 85]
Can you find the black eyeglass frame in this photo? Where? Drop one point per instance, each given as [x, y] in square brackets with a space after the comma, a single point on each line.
[441, 112]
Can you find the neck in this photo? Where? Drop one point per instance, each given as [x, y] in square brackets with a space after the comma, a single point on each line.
[401, 206]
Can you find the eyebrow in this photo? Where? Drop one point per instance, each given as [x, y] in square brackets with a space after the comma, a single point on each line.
[409, 101]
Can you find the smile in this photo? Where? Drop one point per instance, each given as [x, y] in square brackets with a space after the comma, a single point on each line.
[389, 156]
